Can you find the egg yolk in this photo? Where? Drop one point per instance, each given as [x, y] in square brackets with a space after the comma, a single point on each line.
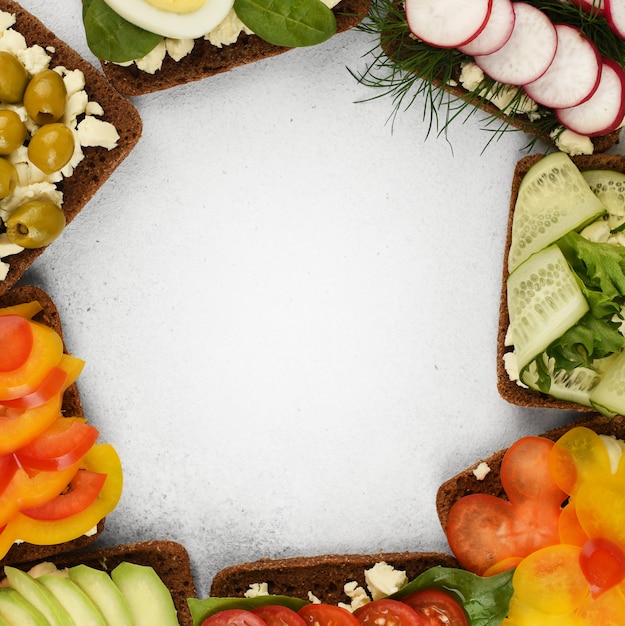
[177, 6]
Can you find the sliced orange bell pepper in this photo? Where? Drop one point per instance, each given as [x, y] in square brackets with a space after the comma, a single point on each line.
[24, 309]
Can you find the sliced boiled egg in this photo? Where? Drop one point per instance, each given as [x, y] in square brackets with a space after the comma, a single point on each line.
[177, 19]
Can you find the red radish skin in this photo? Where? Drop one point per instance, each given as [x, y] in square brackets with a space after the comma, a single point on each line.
[496, 32]
[615, 16]
[603, 112]
[529, 51]
[574, 74]
[592, 7]
[447, 23]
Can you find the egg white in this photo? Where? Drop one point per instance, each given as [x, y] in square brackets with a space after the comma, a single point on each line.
[175, 25]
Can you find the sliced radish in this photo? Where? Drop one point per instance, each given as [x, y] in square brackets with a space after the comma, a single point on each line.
[603, 112]
[592, 7]
[574, 73]
[615, 16]
[529, 51]
[447, 23]
[496, 32]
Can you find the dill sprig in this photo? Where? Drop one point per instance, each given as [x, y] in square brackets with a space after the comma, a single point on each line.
[406, 69]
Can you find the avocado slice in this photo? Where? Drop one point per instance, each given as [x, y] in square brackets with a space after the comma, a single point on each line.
[40, 597]
[99, 586]
[76, 602]
[17, 611]
[148, 598]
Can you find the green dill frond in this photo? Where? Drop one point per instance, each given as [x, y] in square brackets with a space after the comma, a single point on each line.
[407, 71]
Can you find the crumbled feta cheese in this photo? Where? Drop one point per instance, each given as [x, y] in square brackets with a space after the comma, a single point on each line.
[12, 41]
[24, 193]
[383, 580]
[481, 471]
[178, 48]
[153, 60]
[257, 589]
[615, 448]
[94, 132]
[35, 59]
[313, 599]
[356, 594]
[228, 31]
[6, 21]
[512, 368]
[6, 249]
[597, 232]
[572, 143]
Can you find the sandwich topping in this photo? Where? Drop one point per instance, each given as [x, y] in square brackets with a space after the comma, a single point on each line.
[56, 482]
[146, 31]
[46, 120]
[560, 530]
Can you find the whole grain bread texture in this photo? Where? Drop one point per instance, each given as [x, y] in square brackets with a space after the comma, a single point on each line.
[509, 390]
[207, 60]
[72, 405]
[324, 576]
[98, 163]
[396, 52]
[466, 482]
[169, 560]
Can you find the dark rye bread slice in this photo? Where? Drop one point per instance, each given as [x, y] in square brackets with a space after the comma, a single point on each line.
[207, 60]
[508, 389]
[396, 52]
[99, 163]
[466, 483]
[169, 560]
[72, 406]
[323, 576]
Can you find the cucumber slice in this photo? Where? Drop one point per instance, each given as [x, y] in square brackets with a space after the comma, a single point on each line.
[574, 386]
[544, 301]
[553, 199]
[608, 397]
[609, 187]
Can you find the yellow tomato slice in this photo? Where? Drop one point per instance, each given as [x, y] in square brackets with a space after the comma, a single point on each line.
[521, 614]
[577, 456]
[570, 529]
[102, 458]
[550, 580]
[46, 353]
[600, 506]
[606, 610]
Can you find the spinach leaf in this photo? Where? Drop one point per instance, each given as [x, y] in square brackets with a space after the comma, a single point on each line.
[485, 600]
[111, 38]
[203, 609]
[290, 23]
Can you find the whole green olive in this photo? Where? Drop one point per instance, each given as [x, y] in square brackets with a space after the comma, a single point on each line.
[35, 224]
[8, 178]
[45, 97]
[12, 131]
[51, 147]
[13, 78]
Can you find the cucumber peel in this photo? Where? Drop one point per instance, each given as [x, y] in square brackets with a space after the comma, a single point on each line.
[553, 199]
[544, 300]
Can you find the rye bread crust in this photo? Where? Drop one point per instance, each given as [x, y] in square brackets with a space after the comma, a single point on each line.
[169, 560]
[98, 163]
[508, 389]
[207, 60]
[72, 406]
[466, 483]
[324, 576]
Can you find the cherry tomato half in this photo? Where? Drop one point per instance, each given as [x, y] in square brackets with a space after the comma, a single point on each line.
[277, 615]
[437, 607]
[234, 617]
[387, 612]
[327, 615]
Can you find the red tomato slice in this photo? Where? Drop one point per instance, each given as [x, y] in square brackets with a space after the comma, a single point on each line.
[16, 342]
[82, 491]
[277, 615]
[62, 445]
[51, 385]
[603, 564]
[8, 467]
[437, 608]
[234, 617]
[327, 615]
[388, 613]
